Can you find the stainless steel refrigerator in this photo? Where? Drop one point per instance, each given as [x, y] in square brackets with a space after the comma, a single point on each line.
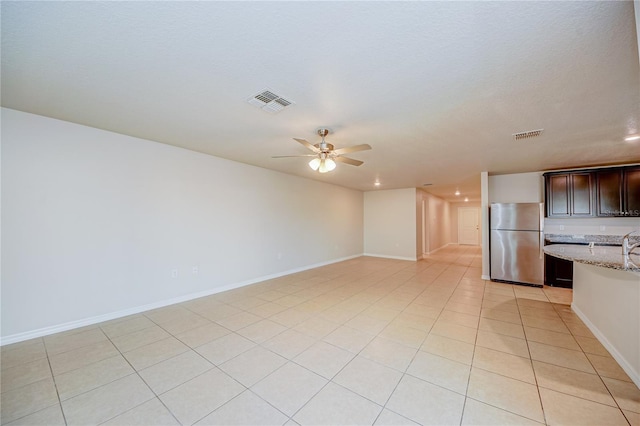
[516, 243]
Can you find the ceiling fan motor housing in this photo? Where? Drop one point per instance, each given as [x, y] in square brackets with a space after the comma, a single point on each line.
[324, 146]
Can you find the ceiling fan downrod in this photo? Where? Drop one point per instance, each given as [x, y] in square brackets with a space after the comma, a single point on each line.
[324, 146]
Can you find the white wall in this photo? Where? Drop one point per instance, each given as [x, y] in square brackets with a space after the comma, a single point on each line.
[93, 223]
[516, 188]
[390, 223]
[420, 217]
[512, 188]
[439, 218]
[607, 301]
[636, 7]
[433, 218]
[484, 213]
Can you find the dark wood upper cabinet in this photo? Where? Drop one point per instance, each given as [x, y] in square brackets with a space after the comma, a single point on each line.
[582, 194]
[558, 187]
[609, 192]
[569, 194]
[613, 192]
[631, 192]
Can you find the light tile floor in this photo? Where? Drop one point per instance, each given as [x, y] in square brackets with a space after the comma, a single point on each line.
[366, 341]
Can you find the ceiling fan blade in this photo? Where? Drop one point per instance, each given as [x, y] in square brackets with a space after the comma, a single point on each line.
[350, 161]
[350, 149]
[289, 156]
[307, 144]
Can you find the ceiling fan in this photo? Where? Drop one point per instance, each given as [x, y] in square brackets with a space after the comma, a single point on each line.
[326, 155]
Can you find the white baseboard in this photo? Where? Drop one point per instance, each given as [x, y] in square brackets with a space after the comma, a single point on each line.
[384, 256]
[45, 331]
[441, 247]
[633, 375]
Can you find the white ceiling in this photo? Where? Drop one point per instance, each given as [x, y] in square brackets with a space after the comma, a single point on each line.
[436, 88]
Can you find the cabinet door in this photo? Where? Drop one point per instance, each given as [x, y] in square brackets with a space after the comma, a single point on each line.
[609, 192]
[558, 187]
[632, 191]
[558, 272]
[582, 194]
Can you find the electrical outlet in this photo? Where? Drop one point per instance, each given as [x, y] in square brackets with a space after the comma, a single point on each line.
[174, 273]
[603, 228]
[562, 227]
[195, 270]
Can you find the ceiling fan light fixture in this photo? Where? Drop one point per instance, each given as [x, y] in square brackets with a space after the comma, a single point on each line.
[314, 164]
[326, 165]
[325, 155]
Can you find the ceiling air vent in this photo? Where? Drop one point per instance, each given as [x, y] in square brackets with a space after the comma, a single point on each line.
[528, 134]
[269, 101]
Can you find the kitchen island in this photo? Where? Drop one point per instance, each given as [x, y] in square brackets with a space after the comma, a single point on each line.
[606, 296]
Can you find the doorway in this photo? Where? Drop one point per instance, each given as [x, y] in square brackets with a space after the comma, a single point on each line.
[468, 226]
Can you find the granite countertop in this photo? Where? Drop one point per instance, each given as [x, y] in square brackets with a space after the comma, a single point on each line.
[604, 256]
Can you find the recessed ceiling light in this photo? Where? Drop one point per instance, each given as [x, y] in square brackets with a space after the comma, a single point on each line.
[376, 183]
[457, 192]
[466, 199]
[632, 138]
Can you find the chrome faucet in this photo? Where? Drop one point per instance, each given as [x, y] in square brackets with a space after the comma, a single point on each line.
[626, 248]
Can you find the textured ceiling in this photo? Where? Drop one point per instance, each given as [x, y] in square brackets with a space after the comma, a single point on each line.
[436, 88]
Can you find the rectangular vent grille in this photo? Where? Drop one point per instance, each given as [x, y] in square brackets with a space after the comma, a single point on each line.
[528, 134]
[269, 101]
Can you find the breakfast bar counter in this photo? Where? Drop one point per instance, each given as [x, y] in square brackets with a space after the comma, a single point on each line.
[606, 296]
[603, 256]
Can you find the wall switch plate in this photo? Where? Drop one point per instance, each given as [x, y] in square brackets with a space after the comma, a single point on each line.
[195, 270]
[562, 227]
[603, 228]
[174, 273]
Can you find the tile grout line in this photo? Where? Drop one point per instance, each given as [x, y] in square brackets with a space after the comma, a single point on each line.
[596, 370]
[136, 372]
[475, 345]
[397, 294]
[535, 376]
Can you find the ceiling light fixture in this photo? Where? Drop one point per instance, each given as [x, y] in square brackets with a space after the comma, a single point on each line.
[314, 164]
[466, 199]
[322, 164]
[632, 138]
[457, 192]
[376, 183]
[326, 155]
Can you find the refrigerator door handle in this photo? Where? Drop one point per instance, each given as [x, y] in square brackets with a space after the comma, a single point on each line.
[541, 230]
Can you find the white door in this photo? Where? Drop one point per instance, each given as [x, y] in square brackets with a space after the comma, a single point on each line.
[468, 225]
